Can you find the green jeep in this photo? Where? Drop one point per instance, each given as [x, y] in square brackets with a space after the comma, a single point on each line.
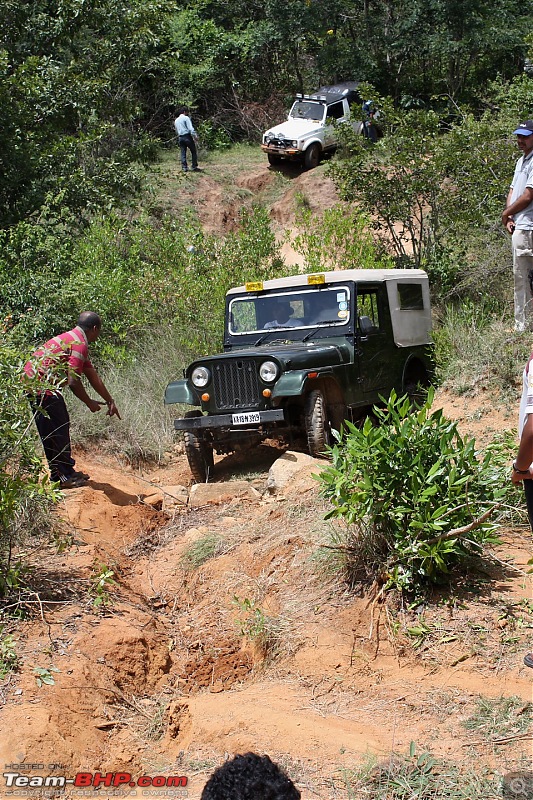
[301, 354]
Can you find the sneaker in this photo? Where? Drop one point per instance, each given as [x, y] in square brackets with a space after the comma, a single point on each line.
[80, 474]
[196, 169]
[528, 660]
[72, 483]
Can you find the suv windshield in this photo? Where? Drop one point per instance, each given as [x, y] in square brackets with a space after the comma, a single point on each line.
[303, 109]
[311, 308]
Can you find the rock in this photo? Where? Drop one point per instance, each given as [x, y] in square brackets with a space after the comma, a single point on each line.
[174, 498]
[287, 466]
[155, 500]
[212, 493]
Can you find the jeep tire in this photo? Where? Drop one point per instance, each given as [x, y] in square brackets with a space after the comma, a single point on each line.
[199, 453]
[273, 159]
[312, 156]
[316, 423]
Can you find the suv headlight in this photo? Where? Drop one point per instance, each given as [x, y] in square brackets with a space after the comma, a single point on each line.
[294, 143]
[268, 371]
[200, 377]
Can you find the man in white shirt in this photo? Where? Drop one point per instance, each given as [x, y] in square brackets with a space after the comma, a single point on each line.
[518, 220]
[186, 138]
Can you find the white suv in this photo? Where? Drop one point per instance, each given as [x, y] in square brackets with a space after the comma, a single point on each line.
[307, 135]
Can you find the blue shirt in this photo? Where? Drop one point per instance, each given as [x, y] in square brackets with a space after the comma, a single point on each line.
[184, 126]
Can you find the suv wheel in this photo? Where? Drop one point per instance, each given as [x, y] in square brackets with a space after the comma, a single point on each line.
[199, 453]
[272, 159]
[312, 156]
[316, 423]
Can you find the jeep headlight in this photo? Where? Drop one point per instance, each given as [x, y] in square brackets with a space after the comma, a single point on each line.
[200, 377]
[294, 143]
[268, 371]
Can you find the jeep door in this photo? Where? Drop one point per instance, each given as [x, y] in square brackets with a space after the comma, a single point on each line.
[340, 112]
[375, 352]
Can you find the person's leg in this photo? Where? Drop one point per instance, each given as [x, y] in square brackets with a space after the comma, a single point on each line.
[194, 155]
[183, 149]
[53, 424]
[522, 264]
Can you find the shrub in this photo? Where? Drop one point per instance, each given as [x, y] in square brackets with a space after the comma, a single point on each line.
[25, 495]
[414, 493]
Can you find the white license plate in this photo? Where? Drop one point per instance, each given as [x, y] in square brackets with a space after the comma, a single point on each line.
[248, 418]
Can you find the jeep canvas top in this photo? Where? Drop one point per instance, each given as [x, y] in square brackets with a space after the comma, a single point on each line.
[302, 354]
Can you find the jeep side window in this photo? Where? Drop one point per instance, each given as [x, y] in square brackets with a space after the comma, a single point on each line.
[367, 313]
[336, 110]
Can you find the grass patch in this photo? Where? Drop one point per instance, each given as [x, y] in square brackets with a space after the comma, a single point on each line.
[146, 430]
[423, 777]
[200, 551]
[500, 717]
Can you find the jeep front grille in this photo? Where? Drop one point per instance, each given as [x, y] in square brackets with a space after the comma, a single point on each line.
[236, 384]
[275, 141]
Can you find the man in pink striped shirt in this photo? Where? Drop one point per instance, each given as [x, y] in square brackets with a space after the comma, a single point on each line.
[61, 362]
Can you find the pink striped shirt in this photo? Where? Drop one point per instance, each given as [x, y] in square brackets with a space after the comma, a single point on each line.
[62, 355]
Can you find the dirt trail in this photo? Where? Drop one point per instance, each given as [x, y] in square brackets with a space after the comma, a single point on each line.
[165, 680]
[164, 671]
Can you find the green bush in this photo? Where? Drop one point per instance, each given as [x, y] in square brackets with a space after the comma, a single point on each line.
[413, 493]
[25, 495]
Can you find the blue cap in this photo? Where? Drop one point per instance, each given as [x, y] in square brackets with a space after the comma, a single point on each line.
[525, 128]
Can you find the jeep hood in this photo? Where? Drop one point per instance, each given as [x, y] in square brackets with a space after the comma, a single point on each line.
[294, 129]
[291, 355]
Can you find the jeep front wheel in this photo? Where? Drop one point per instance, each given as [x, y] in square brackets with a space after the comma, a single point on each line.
[316, 423]
[199, 453]
[312, 156]
[274, 160]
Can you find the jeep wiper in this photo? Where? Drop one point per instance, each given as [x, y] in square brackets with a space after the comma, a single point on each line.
[315, 330]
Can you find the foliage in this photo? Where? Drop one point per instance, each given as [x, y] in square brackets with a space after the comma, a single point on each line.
[262, 629]
[44, 676]
[403, 777]
[473, 348]
[71, 111]
[404, 487]
[101, 582]
[24, 493]
[9, 660]
[340, 241]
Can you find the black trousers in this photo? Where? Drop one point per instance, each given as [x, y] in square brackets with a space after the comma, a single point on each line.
[53, 424]
[187, 142]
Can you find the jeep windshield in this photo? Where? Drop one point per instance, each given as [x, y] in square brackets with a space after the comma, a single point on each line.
[290, 310]
[304, 109]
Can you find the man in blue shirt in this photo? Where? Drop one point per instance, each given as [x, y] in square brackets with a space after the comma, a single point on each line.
[186, 138]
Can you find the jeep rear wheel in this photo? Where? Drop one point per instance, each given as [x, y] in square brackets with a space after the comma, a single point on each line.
[312, 156]
[416, 384]
[199, 453]
[317, 425]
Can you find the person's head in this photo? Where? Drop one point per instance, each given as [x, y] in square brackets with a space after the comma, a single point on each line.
[91, 324]
[283, 311]
[524, 136]
[250, 777]
[182, 110]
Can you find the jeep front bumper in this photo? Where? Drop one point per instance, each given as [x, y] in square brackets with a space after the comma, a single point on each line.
[238, 421]
[282, 152]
